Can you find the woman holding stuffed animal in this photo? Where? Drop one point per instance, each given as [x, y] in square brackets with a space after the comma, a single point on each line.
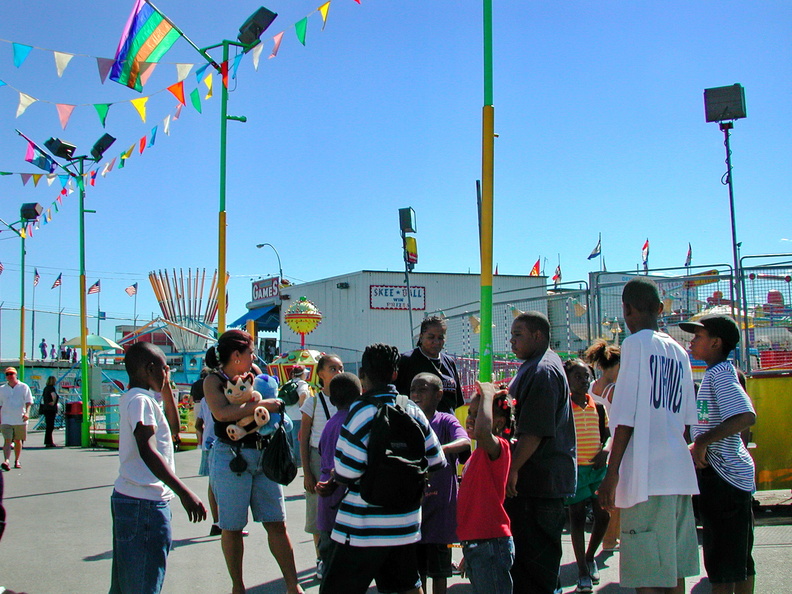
[236, 490]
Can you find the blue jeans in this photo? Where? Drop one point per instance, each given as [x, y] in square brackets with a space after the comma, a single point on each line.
[488, 564]
[141, 543]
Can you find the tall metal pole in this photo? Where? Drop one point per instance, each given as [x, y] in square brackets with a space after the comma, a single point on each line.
[487, 169]
[280, 299]
[84, 388]
[22, 310]
[221, 222]
[725, 128]
[33, 321]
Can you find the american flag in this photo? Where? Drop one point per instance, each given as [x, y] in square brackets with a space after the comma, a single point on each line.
[557, 275]
[58, 282]
[131, 290]
[94, 288]
[1, 268]
[36, 277]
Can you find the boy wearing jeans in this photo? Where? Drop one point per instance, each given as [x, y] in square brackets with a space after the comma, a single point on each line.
[650, 473]
[147, 481]
[725, 468]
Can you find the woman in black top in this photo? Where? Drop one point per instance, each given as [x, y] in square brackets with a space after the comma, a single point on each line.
[428, 357]
[49, 408]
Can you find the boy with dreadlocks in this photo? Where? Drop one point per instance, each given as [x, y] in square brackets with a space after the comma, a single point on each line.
[373, 542]
[483, 525]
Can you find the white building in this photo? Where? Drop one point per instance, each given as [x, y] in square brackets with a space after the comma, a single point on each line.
[370, 306]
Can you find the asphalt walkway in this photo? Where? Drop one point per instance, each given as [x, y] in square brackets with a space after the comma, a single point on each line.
[58, 536]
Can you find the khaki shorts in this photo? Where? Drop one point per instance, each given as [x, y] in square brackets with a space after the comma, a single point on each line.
[658, 542]
[14, 432]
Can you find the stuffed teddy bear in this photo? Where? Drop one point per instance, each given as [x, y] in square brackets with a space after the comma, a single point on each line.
[239, 390]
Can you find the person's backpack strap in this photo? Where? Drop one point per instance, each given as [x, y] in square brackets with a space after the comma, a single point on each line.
[321, 399]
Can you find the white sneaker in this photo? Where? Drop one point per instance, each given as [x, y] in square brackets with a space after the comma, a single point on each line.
[319, 569]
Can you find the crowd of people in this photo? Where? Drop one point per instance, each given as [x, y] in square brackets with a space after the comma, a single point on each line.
[634, 444]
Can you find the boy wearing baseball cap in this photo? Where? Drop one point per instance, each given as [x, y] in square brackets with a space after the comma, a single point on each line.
[725, 468]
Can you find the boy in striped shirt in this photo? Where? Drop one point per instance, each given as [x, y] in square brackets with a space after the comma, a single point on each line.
[725, 468]
[372, 542]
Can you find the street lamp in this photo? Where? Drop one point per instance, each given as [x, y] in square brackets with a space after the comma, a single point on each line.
[249, 34]
[724, 105]
[28, 212]
[64, 150]
[280, 298]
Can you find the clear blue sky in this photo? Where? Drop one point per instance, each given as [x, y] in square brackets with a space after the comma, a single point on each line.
[598, 107]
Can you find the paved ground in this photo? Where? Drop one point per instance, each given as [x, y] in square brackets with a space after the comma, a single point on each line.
[58, 534]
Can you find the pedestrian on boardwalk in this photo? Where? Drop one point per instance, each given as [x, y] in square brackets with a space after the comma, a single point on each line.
[49, 408]
[15, 403]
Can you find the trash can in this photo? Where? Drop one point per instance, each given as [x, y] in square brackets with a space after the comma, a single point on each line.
[73, 423]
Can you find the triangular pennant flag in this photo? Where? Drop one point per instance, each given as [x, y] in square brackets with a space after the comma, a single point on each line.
[59, 199]
[208, 83]
[140, 105]
[235, 67]
[196, 100]
[25, 101]
[25, 178]
[257, 54]
[64, 179]
[177, 114]
[166, 125]
[129, 152]
[301, 27]
[49, 214]
[20, 53]
[122, 162]
[51, 178]
[277, 39]
[36, 178]
[108, 167]
[93, 178]
[104, 64]
[182, 70]
[224, 73]
[55, 204]
[146, 70]
[178, 91]
[101, 110]
[61, 61]
[143, 141]
[200, 71]
[2, 83]
[22, 232]
[30, 230]
[153, 136]
[323, 11]
[64, 113]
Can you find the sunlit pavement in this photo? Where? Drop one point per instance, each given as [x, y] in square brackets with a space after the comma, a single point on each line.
[58, 536]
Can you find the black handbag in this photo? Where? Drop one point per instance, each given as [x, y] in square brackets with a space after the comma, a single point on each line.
[277, 461]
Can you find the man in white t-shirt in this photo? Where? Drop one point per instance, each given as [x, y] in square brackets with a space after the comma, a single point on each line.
[147, 480]
[651, 475]
[15, 402]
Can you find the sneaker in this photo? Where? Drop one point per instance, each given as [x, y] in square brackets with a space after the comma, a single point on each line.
[17, 464]
[319, 569]
[593, 571]
[5, 466]
[584, 585]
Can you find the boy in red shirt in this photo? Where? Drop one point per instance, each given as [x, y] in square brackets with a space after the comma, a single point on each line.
[482, 523]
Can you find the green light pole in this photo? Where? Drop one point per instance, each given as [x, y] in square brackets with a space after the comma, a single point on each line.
[487, 169]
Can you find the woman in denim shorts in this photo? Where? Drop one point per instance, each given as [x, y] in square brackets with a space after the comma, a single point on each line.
[244, 487]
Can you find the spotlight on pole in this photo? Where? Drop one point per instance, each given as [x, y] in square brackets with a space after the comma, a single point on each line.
[251, 29]
[101, 146]
[60, 148]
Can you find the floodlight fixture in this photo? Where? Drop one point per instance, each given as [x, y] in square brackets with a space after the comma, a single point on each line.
[251, 30]
[724, 103]
[101, 145]
[407, 220]
[60, 148]
[30, 211]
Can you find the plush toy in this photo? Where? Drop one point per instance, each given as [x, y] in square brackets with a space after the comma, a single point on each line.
[239, 390]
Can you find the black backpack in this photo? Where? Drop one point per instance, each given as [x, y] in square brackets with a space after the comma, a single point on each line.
[396, 473]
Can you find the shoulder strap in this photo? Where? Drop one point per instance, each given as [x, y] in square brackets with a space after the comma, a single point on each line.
[320, 397]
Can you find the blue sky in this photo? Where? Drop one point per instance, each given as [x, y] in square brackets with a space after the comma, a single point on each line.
[598, 107]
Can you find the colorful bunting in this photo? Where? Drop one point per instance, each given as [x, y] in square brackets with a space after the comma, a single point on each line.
[101, 110]
[61, 61]
[196, 100]
[208, 82]
[20, 53]
[323, 10]
[182, 70]
[278, 38]
[142, 144]
[25, 101]
[301, 28]
[64, 113]
[140, 105]
[177, 90]
[153, 136]
[256, 55]
[104, 65]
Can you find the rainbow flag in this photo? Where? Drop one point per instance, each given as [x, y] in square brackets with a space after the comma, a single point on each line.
[147, 36]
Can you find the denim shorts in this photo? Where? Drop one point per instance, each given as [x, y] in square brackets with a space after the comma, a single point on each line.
[312, 499]
[488, 564]
[141, 543]
[235, 493]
